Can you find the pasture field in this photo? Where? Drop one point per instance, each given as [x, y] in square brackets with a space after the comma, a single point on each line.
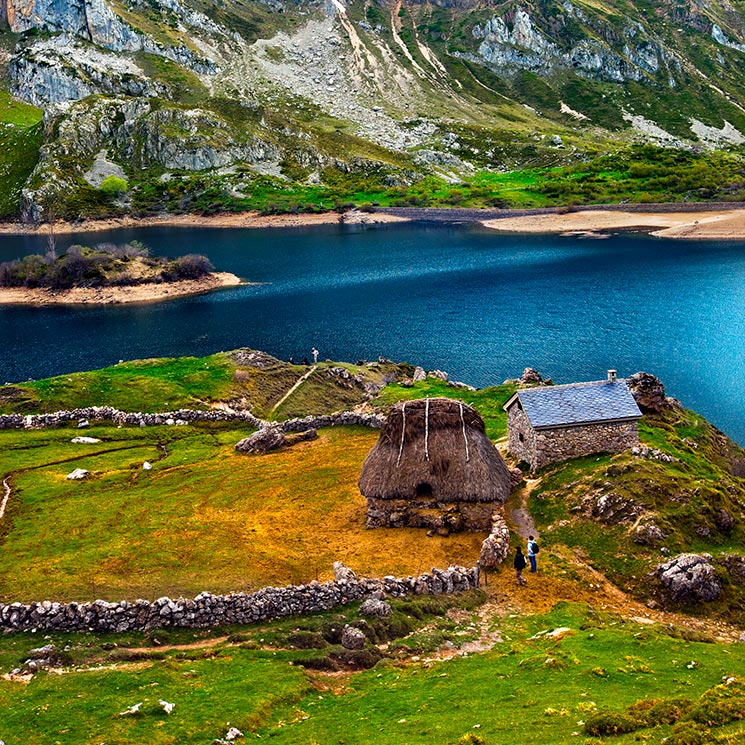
[596, 672]
[204, 518]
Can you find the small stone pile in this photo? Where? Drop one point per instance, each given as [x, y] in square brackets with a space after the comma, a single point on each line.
[207, 610]
[496, 546]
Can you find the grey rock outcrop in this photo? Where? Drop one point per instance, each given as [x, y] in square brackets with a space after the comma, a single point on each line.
[648, 392]
[266, 439]
[689, 578]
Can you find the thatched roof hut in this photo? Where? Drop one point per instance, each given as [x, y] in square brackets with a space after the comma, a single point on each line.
[434, 450]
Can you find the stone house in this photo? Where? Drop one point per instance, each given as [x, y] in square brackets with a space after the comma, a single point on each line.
[553, 423]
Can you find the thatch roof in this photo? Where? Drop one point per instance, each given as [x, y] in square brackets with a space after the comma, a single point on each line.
[435, 448]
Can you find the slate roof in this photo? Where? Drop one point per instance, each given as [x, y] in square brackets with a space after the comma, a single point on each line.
[577, 403]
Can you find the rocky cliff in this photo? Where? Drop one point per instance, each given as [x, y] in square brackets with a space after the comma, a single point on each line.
[402, 90]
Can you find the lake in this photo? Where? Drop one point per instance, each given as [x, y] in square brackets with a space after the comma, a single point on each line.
[480, 305]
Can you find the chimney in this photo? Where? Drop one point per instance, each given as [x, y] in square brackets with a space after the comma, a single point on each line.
[611, 376]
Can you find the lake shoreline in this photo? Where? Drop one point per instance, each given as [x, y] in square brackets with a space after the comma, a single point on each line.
[690, 221]
[692, 225]
[222, 220]
[148, 292]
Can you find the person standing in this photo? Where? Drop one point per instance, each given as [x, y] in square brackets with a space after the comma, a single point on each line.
[532, 551]
[314, 352]
[519, 565]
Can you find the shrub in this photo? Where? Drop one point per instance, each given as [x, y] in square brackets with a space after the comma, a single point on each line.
[610, 723]
[191, 266]
[113, 186]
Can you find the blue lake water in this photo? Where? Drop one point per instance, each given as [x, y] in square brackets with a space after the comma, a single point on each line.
[480, 305]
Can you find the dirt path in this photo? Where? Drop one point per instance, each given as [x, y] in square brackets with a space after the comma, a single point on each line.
[292, 390]
[6, 496]
[517, 510]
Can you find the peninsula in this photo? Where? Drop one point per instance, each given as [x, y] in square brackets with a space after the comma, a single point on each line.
[106, 274]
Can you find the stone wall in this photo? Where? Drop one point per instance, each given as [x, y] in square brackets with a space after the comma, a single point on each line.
[207, 610]
[182, 416]
[441, 517]
[561, 443]
[521, 435]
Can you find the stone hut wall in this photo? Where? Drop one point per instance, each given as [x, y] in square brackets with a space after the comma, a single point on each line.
[207, 610]
[521, 435]
[442, 517]
[562, 443]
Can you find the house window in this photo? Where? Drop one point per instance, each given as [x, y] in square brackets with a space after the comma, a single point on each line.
[521, 436]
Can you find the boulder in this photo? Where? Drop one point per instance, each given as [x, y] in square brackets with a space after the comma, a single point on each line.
[78, 473]
[375, 608]
[262, 441]
[352, 638]
[85, 440]
[648, 392]
[438, 375]
[689, 578]
[419, 375]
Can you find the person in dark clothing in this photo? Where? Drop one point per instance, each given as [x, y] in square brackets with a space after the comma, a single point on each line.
[519, 565]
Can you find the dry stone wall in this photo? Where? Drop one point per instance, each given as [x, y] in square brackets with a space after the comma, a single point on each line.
[183, 416]
[207, 610]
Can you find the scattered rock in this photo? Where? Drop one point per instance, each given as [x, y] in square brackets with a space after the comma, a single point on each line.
[419, 375]
[85, 440]
[352, 638]
[689, 578]
[167, 706]
[438, 375]
[375, 608]
[233, 734]
[648, 392]
[742, 637]
[78, 473]
[648, 534]
[724, 521]
[147, 466]
[262, 441]
[132, 710]
[83, 423]
[642, 451]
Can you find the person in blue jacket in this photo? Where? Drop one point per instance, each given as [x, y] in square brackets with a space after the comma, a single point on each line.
[532, 551]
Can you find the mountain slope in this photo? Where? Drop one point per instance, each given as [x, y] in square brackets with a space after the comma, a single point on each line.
[202, 104]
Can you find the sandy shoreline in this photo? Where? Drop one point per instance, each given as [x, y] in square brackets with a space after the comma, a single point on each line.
[145, 293]
[226, 220]
[722, 225]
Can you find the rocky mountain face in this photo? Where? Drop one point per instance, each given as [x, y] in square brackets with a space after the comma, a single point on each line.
[313, 91]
